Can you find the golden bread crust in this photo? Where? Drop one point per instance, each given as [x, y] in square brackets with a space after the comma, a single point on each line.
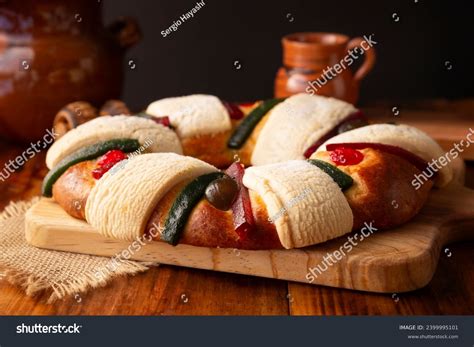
[210, 227]
[213, 148]
[382, 192]
[72, 189]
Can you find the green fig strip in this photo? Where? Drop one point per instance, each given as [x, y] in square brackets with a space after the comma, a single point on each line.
[343, 180]
[183, 206]
[248, 124]
[86, 153]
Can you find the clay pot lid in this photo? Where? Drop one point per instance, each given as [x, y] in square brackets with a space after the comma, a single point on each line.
[312, 49]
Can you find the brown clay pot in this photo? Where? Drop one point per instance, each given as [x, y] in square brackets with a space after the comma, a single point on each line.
[307, 55]
[53, 52]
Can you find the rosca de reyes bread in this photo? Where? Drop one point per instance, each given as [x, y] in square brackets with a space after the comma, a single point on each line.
[120, 204]
[306, 206]
[407, 152]
[360, 176]
[123, 203]
[160, 138]
[295, 125]
[402, 136]
[193, 115]
[258, 133]
[101, 135]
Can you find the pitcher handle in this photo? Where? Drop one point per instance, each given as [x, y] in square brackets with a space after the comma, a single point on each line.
[369, 60]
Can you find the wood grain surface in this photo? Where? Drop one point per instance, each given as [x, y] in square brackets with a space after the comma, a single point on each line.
[160, 290]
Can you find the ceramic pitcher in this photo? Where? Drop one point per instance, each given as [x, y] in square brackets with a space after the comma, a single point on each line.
[322, 63]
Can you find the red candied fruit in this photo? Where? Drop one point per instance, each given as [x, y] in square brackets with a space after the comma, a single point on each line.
[244, 223]
[234, 111]
[107, 161]
[412, 158]
[247, 104]
[163, 121]
[352, 121]
[313, 148]
[346, 156]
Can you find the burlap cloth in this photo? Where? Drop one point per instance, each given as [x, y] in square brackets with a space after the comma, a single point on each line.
[59, 273]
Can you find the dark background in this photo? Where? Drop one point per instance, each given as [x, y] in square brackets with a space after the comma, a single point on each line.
[413, 54]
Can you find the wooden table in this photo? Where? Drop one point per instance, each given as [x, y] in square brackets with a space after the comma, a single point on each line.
[169, 290]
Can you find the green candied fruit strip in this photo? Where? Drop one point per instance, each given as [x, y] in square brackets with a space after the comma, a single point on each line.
[84, 154]
[249, 123]
[184, 204]
[343, 180]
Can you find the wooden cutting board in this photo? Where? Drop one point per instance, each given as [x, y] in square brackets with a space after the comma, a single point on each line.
[392, 261]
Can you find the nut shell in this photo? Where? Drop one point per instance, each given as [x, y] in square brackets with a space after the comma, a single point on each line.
[73, 115]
